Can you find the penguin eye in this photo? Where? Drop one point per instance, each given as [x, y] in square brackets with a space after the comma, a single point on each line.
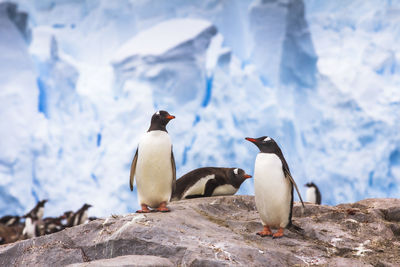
[235, 171]
[158, 113]
[267, 139]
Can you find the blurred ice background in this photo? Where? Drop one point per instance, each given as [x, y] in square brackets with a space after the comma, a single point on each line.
[80, 79]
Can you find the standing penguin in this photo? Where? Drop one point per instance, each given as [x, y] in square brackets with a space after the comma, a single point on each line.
[313, 194]
[37, 212]
[209, 181]
[32, 226]
[273, 186]
[154, 165]
[79, 217]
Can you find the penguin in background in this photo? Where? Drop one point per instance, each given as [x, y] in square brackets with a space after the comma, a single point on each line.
[32, 226]
[53, 225]
[38, 211]
[80, 216]
[313, 195]
[273, 187]
[10, 220]
[209, 181]
[154, 166]
[33, 220]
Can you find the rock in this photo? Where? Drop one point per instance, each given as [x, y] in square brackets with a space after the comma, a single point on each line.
[220, 231]
[127, 261]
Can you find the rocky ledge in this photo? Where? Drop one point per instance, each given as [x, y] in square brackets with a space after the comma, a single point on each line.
[221, 231]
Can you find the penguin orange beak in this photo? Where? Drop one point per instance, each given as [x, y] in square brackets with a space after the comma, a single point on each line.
[251, 139]
[170, 117]
[247, 176]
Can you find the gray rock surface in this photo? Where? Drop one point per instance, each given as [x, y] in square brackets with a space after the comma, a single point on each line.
[221, 231]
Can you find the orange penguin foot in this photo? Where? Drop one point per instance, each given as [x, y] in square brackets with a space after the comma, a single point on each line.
[265, 232]
[163, 207]
[144, 209]
[278, 234]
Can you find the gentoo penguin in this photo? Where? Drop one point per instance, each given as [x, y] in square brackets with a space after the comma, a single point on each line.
[273, 186]
[31, 228]
[52, 225]
[209, 181]
[154, 165]
[38, 211]
[80, 216]
[9, 220]
[313, 194]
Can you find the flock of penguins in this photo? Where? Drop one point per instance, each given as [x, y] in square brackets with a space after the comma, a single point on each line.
[32, 224]
[154, 168]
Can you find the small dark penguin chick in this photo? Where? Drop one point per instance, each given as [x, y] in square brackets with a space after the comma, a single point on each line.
[209, 181]
[313, 195]
[10, 234]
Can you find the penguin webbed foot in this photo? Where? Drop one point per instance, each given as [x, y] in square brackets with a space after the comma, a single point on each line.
[278, 234]
[163, 207]
[265, 232]
[145, 209]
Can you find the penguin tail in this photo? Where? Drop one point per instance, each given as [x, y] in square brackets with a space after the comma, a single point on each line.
[295, 228]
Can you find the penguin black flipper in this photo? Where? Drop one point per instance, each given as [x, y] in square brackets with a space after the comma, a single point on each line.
[287, 173]
[133, 169]
[318, 195]
[210, 187]
[173, 172]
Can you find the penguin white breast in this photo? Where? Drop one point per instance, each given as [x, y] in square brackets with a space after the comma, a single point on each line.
[154, 169]
[272, 190]
[29, 229]
[199, 187]
[40, 213]
[225, 190]
[311, 195]
[84, 217]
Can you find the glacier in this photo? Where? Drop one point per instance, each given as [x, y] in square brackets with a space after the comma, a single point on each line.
[81, 79]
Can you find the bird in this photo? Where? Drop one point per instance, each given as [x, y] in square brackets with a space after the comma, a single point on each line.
[273, 186]
[209, 181]
[78, 217]
[10, 220]
[53, 225]
[154, 166]
[313, 194]
[32, 226]
[37, 212]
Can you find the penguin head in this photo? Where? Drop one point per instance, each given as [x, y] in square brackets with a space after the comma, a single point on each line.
[238, 176]
[42, 202]
[265, 143]
[159, 120]
[310, 184]
[86, 206]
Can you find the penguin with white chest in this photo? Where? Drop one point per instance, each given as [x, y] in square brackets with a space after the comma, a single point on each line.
[209, 181]
[154, 166]
[273, 186]
[313, 194]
